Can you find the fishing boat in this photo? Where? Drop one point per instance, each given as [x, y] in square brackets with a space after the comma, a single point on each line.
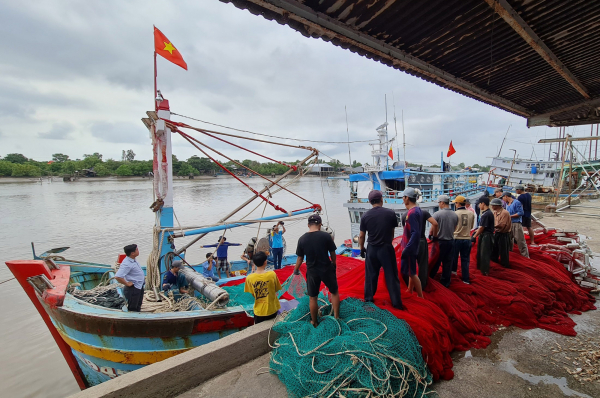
[514, 171]
[101, 342]
[393, 179]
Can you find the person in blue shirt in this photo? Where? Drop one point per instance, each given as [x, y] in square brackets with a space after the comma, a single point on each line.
[130, 274]
[515, 209]
[525, 199]
[208, 268]
[277, 243]
[175, 281]
[222, 263]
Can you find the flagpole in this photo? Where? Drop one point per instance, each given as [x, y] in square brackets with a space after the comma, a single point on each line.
[155, 92]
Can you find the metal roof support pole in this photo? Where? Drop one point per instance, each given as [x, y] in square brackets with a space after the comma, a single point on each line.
[562, 168]
[522, 28]
[570, 171]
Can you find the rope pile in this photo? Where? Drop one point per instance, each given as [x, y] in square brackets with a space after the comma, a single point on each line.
[368, 352]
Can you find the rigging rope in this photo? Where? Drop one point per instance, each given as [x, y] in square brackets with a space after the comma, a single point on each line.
[225, 169]
[295, 168]
[272, 136]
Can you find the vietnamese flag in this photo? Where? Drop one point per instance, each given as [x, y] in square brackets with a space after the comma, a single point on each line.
[451, 150]
[164, 48]
[391, 153]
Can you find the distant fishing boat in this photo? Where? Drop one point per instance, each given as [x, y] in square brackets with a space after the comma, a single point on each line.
[101, 342]
[393, 179]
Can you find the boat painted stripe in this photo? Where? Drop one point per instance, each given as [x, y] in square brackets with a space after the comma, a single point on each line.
[142, 343]
[121, 356]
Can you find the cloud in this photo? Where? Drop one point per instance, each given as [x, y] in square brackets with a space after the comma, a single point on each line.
[120, 132]
[90, 64]
[59, 131]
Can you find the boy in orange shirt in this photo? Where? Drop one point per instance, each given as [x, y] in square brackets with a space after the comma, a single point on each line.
[263, 285]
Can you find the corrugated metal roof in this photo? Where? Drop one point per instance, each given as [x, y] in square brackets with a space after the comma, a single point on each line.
[467, 46]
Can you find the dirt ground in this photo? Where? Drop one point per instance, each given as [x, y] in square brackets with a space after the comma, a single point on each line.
[518, 363]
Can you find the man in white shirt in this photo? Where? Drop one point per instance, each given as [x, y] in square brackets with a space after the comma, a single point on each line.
[131, 275]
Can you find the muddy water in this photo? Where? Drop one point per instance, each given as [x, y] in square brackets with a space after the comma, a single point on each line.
[96, 219]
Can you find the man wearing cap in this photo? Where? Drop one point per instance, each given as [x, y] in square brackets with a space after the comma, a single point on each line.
[423, 256]
[462, 238]
[525, 199]
[502, 227]
[447, 221]
[410, 241]
[379, 223]
[174, 280]
[498, 194]
[222, 263]
[485, 235]
[515, 208]
[319, 248]
[130, 274]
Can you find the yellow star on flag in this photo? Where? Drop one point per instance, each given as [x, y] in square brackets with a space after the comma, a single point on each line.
[169, 47]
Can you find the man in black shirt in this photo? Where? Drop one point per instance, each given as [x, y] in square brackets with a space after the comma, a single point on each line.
[423, 256]
[379, 223]
[485, 233]
[319, 249]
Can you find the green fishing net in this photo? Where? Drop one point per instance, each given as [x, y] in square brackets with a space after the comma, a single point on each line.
[368, 352]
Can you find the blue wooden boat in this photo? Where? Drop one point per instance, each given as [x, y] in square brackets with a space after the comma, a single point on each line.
[102, 343]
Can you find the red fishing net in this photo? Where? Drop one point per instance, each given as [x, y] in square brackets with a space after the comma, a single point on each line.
[536, 292]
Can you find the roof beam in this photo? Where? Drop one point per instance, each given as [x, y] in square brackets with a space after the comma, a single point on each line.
[502, 8]
[316, 24]
[545, 119]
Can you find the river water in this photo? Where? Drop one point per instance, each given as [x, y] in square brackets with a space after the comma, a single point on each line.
[96, 219]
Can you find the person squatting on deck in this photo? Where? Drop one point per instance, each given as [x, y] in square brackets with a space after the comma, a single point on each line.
[462, 238]
[247, 256]
[175, 281]
[447, 221]
[319, 248]
[379, 223]
[222, 263]
[277, 243]
[502, 226]
[485, 235]
[208, 268]
[515, 208]
[410, 241]
[130, 274]
[525, 199]
[263, 285]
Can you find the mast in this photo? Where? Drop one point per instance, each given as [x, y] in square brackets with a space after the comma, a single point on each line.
[163, 176]
[403, 140]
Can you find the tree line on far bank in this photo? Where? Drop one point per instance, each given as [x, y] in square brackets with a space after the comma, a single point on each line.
[18, 165]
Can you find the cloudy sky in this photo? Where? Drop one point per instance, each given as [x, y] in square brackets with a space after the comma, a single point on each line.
[76, 77]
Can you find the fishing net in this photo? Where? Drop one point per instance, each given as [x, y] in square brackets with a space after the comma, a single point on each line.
[104, 296]
[367, 352]
[536, 292]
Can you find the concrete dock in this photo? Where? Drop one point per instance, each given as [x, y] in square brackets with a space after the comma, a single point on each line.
[518, 363]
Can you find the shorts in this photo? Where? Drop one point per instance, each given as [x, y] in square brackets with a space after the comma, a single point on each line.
[258, 319]
[408, 265]
[314, 277]
[526, 222]
[223, 264]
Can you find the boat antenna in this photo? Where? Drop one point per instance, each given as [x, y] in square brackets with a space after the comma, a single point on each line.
[504, 140]
[348, 133]
[403, 139]
[395, 125]
[387, 160]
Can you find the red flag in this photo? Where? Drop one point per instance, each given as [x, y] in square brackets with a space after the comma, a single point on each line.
[391, 153]
[451, 150]
[165, 49]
